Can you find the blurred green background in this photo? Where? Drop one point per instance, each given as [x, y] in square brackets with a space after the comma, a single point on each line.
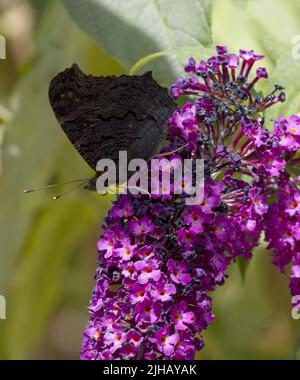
[48, 248]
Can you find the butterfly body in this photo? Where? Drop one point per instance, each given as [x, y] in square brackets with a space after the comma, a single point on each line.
[104, 115]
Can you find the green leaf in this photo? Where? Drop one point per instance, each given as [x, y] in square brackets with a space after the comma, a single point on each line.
[296, 349]
[5, 114]
[40, 6]
[39, 281]
[142, 28]
[243, 265]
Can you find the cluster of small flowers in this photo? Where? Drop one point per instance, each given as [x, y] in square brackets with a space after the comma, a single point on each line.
[158, 257]
[283, 230]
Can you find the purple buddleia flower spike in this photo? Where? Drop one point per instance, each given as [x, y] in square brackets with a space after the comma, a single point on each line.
[159, 258]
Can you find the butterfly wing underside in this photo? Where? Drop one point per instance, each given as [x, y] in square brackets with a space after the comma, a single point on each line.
[104, 115]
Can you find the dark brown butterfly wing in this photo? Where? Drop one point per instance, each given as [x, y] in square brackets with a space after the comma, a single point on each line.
[103, 115]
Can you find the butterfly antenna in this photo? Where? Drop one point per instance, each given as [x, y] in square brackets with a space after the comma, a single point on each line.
[70, 190]
[140, 189]
[173, 151]
[26, 191]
